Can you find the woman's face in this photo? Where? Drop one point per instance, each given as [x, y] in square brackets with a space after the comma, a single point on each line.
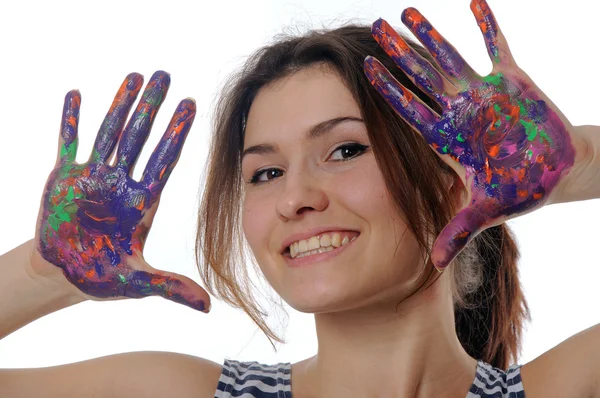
[306, 189]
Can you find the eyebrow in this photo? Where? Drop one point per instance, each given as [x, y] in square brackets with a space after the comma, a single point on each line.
[316, 131]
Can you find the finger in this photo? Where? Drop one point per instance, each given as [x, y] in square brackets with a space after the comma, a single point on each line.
[68, 140]
[494, 39]
[467, 224]
[171, 286]
[417, 68]
[133, 138]
[405, 103]
[166, 154]
[443, 52]
[113, 123]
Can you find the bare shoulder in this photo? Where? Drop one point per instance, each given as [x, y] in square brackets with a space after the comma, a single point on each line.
[168, 374]
[571, 369]
[135, 374]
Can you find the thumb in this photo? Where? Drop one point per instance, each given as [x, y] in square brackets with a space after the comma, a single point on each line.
[169, 285]
[466, 225]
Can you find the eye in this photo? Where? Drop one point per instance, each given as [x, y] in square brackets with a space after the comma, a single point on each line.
[352, 151]
[255, 177]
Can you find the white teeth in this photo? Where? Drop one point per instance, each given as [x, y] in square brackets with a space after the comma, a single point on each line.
[320, 250]
[314, 245]
[294, 249]
[325, 241]
[302, 246]
[336, 240]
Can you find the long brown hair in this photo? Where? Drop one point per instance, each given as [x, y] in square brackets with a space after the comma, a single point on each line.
[490, 307]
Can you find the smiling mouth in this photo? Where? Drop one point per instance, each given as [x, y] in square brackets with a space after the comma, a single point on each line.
[319, 244]
[315, 258]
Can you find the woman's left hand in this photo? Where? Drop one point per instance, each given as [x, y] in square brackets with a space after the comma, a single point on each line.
[511, 146]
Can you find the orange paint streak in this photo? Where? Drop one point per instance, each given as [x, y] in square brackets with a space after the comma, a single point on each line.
[69, 182]
[514, 112]
[539, 158]
[158, 280]
[119, 97]
[490, 114]
[488, 171]
[461, 235]
[113, 218]
[482, 25]
[108, 243]
[140, 206]
[162, 173]
[494, 151]
[415, 18]
[407, 94]
[72, 121]
[522, 193]
[436, 35]
[98, 244]
[90, 274]
[521, 174]
[503, 172]
[177, 130]
[395, 41]
[537, 195]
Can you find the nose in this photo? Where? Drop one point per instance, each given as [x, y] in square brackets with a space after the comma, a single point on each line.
[302, 193]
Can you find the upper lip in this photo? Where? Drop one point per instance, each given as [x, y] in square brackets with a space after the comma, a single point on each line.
[309, 233]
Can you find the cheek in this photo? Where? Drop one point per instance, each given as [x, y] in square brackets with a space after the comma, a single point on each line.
[364, 193]
[367, 196]
[255, 222]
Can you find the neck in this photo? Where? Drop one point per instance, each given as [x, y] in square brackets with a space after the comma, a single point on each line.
[370, 351]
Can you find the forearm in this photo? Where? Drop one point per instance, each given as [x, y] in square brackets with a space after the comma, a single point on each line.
[24, 296]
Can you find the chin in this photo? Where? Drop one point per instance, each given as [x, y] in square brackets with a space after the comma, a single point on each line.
[313, 301]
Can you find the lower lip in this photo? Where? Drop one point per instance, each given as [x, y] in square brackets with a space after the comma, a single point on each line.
[315, 258]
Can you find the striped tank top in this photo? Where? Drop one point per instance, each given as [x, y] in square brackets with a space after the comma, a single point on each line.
[256, 380]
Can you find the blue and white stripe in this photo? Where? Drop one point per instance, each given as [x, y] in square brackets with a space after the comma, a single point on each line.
[256, 380]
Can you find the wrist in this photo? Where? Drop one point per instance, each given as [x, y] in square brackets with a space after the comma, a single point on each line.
[26, 295]
[582, 181]
[47, 276]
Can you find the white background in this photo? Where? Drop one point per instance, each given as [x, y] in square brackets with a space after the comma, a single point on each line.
[48, 48]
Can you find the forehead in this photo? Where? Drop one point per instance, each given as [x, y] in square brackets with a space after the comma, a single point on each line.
[291, 105]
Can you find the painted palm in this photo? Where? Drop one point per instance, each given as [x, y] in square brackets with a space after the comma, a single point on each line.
[95, 218]
[500, 133]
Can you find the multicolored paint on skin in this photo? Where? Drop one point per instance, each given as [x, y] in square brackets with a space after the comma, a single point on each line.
[141, 121]
[489, 28]
[116, 117]
[511, 143]
[443, 52]
[93, 223]
[419, 68]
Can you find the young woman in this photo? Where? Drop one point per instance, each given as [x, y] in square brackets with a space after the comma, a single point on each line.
[351, 192]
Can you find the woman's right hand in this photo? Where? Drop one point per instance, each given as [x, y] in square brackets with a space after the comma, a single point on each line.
[94, 218]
